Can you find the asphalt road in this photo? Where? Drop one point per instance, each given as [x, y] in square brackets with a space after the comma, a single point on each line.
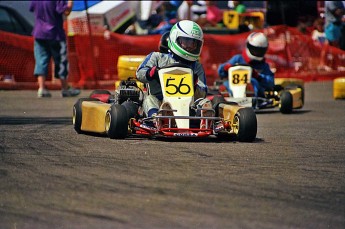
[292, 176]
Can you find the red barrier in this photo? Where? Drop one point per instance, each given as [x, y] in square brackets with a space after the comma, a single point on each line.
[93, 59]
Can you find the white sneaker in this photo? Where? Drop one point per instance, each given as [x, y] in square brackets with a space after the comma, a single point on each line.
[42, 92]
[70, 92]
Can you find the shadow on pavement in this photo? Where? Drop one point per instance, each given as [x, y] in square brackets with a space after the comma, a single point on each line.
[35, 120]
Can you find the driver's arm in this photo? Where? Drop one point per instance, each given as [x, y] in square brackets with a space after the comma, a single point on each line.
[144, 68]
[200, 90]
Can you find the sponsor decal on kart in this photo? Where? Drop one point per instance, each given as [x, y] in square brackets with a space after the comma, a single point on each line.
[185, 134]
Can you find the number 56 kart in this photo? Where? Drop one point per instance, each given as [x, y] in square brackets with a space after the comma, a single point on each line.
[121, 115]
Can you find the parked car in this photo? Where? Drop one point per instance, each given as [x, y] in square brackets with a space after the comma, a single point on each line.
[13, 22]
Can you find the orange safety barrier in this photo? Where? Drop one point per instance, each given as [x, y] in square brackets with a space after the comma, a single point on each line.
[93, 59]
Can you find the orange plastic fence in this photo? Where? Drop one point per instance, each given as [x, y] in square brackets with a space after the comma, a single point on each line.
[93, 59]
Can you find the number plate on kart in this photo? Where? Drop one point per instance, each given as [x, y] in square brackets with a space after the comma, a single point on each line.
[178, 85]
[240, 77]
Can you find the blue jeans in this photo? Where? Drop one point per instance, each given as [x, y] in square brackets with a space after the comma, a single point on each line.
[44, 50]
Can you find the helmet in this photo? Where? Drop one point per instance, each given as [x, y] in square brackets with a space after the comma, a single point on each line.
[186, 39]
[163, 43]
[257, 44]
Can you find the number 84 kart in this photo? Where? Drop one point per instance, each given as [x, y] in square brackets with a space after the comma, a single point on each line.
[287, 94]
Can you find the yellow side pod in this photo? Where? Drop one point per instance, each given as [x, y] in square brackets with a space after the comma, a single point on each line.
[286, 81]
[93, 118]
[339, 88]
[127, 65]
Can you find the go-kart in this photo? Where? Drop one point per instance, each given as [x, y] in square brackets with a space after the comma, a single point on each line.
[121, 115]
[287, 94]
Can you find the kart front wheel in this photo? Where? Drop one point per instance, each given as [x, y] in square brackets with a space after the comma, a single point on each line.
[77, 113]
[286, 102]
[116, 122]
[132, 109]
[245, 125]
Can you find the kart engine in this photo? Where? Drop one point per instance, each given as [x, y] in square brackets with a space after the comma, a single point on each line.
[128, 91]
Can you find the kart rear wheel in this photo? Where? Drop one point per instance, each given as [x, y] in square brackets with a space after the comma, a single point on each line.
[245, 125]
[286, 102]
[77, 113]
[116, 122]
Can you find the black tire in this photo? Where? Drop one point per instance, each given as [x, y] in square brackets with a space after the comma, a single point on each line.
[132, 109]
[116, 121]
[286, 102]
[77, 113]
[245, 124]
[100, 92]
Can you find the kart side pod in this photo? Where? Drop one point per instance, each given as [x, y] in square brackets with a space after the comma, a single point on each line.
[238, 120]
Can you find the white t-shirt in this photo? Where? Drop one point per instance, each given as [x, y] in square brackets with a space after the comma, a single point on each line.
[318, 36]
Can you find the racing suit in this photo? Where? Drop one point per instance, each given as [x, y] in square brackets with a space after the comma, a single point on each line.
[153, 101]
[264, 79]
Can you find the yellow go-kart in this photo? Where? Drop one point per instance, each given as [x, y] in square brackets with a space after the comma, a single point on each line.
[287, 94]
[120, 115]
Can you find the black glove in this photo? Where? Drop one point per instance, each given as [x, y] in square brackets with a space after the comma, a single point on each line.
[152, 73]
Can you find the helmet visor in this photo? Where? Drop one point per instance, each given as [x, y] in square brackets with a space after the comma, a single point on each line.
[257, 51]
[190, 45]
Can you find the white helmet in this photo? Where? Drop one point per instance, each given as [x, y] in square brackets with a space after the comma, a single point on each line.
[186, 40]
[257, 44]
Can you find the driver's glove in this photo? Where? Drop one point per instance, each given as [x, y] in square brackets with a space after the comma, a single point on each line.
[226, 66]
[256, 75]
[152, 73]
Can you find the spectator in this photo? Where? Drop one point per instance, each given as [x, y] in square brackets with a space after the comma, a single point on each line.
[198, 9]
[254, 55]
[238, 6]
[318, 34]
[319, 37]
[213, 16]
[171, 9]
[170, 16]
[334, 12]
[50, 42]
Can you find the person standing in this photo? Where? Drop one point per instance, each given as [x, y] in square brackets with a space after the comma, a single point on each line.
[238, 6]
[50, 42]
[214, 15]
[334, 12]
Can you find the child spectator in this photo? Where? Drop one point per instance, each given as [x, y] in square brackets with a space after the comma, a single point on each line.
[318, 34]
[213, 16]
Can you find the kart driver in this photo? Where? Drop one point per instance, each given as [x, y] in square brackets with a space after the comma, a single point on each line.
[253, 55]
[163, 43]
[185, 44]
